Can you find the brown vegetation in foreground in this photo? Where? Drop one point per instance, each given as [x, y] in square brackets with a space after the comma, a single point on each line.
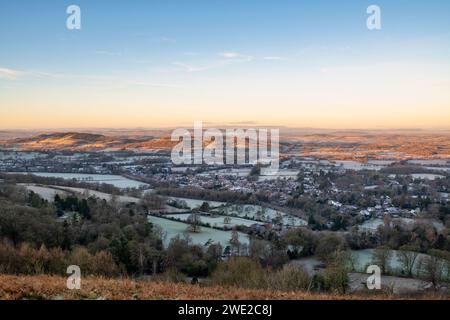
[54, 287]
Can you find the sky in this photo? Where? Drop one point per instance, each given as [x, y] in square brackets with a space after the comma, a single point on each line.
[158, 63]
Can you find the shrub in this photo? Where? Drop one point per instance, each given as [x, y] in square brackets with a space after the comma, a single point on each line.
[329, 246]
[103, 264]
[239, 272]
[335, 278]
[290, 278]
[171, 275]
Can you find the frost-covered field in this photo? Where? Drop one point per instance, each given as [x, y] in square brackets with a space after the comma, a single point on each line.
[281, 174]
[45, 193]
[399, 285]
[74, 157]
[217, 221]
[381, 162]
[179, 169]
[195, 203]
[373, 224]
[445, 169]
[100, 195]
[5, 155]
[206, 235]
[429, 221]
[426, 176]
[115, 180]
[363, 258]
[239, 172]
[354, 165]
[255, 212]
[433, 162]
[48, 193]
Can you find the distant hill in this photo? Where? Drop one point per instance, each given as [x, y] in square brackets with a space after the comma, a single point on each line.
[79, 141]
[332, 145]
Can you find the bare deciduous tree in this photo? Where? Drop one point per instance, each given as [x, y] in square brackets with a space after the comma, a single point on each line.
[194, 222]
[407, 256]
[381, 257]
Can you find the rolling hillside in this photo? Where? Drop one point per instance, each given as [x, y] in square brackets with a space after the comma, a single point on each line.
[76, 141]
[54, 287]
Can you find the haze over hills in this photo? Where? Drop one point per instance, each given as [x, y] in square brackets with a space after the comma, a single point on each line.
[78, 141]
[326, 144]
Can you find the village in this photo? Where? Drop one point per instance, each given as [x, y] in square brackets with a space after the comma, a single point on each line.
[353, 195]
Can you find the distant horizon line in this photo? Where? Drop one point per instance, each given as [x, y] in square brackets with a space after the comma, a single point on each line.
[223, 125]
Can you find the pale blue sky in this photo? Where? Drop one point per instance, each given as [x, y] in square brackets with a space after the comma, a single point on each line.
[305, 63]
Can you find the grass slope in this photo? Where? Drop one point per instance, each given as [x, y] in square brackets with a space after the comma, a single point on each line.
[54, 287]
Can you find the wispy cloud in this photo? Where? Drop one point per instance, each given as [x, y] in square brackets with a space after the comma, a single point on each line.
[153, 84]
[190, 53]
[108, 53]
[227, 58]
[142, 61]
[230, 54]
[191, 68]
[236, 56]
[66, 76]
[155, 38]
[345, 48]
[167, 39]
[272, 58]
[106, 81]
[7, 73]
